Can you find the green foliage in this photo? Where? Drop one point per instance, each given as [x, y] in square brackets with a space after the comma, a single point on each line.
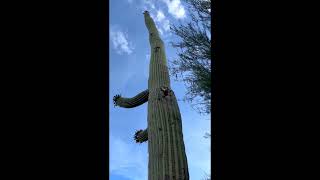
[193, 66]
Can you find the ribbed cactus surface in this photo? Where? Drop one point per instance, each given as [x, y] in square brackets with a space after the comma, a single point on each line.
[167, 157]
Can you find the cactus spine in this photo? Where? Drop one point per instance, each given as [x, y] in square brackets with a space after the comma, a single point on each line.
[167, 157]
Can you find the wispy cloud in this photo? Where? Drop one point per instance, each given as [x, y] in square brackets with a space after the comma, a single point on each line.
[128, 160]
[175, 8]
[120, 41]
[148, 4]
[160, 16]
[166, 25]
[162, 22]
[160, 31]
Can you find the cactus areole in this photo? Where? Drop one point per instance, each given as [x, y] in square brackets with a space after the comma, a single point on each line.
[167, 156]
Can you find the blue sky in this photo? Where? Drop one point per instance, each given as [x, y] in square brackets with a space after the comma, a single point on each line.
[129, 68]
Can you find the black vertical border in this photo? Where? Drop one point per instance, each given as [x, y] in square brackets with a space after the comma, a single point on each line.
[57, 95]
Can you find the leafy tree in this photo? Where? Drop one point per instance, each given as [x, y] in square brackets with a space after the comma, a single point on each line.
[193, 65]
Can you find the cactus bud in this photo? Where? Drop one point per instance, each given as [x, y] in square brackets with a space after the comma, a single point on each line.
[115, 99]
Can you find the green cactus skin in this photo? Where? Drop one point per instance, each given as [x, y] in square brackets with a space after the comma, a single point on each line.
[131, 102]
[167, 156]
[141, 136]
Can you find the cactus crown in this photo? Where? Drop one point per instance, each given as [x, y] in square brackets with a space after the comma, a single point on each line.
[115, 99]
[137, 136]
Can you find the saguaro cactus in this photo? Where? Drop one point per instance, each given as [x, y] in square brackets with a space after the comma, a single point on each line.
[167, 157]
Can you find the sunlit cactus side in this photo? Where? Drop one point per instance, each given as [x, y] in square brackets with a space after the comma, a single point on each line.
[167, 156]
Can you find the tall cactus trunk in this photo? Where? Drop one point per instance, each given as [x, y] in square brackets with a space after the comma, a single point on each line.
[167, 157]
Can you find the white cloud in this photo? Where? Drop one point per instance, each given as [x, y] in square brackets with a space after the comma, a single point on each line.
[148, 4]
[163, 24]
[175, 8]
[128, 160]
[166, 25]
[160, 16]
[120, 41]
[157, 21]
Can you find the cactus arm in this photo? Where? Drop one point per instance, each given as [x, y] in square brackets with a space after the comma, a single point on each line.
[141, 136]
[131, 102]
